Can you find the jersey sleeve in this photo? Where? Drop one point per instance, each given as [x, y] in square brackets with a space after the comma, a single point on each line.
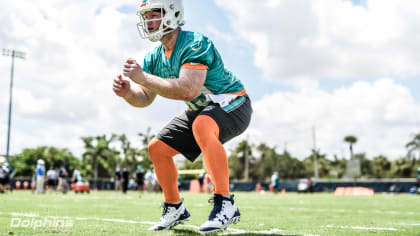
[199, 54]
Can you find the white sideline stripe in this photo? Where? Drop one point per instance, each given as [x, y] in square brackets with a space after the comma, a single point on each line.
[113, 220]
[24, 214]
[239, 231]
[235, 231]
[82, 218]
[360, 227]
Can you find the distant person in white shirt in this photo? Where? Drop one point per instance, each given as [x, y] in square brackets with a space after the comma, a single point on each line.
[274, 183]
[4, 172]
[40, 176]
[77, 176]
[149, 179]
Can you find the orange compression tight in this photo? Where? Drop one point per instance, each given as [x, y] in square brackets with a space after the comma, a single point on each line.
[206, 133]
[161, 155]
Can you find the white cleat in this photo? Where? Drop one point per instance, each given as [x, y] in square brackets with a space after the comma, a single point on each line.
[171, 217]
[224, 213]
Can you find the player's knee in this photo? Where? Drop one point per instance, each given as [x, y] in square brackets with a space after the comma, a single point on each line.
[196, 125]
[205, 129]
[158, 150]
[154, 149]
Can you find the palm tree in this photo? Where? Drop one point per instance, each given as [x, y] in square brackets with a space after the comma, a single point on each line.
[99, 155]
[241, 154]
[266, 163]
[351, 140]
[130, 153]
[380, 166]
[414, 146]
[146, 137]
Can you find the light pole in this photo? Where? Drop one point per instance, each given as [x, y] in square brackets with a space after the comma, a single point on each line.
[246, 159]
[13, 54]
[315, 154]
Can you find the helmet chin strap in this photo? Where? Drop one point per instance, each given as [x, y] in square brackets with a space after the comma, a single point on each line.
[154, 37]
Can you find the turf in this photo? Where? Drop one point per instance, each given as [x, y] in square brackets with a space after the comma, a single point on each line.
[112, 213]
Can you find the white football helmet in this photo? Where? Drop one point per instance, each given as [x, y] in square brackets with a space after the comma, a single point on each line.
[172, 17]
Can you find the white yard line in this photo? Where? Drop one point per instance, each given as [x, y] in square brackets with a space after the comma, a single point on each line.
[231, 231]
[24, 214]
[360, 227]
[114, 220]
[239, 231]
[234, 231]
[79, 218]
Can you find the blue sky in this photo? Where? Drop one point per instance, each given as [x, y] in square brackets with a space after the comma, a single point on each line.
[343, 67]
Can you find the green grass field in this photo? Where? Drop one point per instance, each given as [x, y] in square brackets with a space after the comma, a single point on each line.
[112, 213]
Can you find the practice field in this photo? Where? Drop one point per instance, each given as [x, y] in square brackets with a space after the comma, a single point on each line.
[112, 213]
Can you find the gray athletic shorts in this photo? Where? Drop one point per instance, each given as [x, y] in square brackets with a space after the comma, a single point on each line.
[179, 135]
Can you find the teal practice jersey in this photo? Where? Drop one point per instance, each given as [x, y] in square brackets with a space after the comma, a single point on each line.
[193, 49]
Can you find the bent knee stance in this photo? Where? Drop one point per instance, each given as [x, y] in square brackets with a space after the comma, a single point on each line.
[159, 150]
[206, 133]
[161, 155]
[205, 129]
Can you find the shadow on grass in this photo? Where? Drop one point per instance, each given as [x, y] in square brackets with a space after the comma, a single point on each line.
[185, 232]
[258, 234]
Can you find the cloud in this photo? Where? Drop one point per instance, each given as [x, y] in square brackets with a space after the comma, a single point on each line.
[29, 104]
[381, 114]
[63, 90]
[303, 40]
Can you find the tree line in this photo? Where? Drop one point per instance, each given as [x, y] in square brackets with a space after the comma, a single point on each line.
[103, 153]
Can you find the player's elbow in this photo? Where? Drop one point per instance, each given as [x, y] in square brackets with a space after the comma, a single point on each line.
[139, 104]
[142, 105]
[188, 96]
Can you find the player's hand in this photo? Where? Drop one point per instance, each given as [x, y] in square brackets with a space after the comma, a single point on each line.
[121, 86]
[133, 71]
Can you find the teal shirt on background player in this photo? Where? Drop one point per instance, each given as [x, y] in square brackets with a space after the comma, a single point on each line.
[192, 49]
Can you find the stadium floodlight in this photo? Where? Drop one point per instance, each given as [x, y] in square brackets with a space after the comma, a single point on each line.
[13, 54]
[315, 153]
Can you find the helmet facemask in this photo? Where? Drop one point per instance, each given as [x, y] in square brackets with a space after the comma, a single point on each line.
[172, 17]
[156, 35]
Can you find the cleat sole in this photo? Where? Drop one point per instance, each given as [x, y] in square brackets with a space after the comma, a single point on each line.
[234, 220]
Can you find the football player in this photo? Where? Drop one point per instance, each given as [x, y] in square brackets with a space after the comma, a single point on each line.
[186, 66]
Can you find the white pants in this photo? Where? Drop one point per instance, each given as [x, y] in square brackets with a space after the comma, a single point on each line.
[40, 184]
[61, 184]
